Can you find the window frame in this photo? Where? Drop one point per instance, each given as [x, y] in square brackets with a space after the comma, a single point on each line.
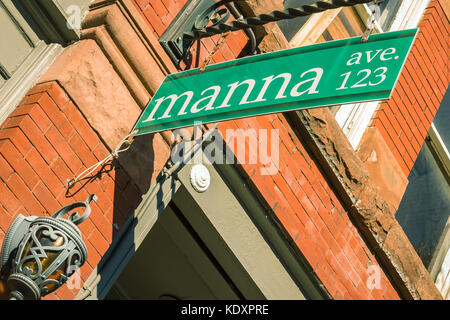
[48, 37]
[355, 118]
[439, 267]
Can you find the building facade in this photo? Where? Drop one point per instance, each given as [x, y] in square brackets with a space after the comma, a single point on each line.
[326, 213]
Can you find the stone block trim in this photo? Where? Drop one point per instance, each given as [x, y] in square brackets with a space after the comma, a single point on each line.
[45, 142]
[405, 119]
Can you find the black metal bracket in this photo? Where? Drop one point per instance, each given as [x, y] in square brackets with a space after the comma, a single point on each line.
[204, 18]
[191, 16]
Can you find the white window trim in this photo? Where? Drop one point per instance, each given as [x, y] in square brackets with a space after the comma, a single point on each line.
[355, 118]
[439, 267]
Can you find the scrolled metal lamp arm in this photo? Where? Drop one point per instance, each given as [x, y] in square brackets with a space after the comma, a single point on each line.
[277, 15]
[205, 18]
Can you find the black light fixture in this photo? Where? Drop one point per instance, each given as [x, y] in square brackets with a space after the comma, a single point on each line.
[204, 18]
[39, 254]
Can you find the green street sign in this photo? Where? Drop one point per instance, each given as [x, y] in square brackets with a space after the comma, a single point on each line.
[330, 73]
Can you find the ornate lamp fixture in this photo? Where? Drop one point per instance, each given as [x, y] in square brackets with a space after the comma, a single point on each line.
[205, 18]
[39, 254]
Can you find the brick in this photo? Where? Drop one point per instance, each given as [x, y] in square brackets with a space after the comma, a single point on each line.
[64, 199]
[31, 99]
[41, 87]
[82, 151]
[98, 242]
[234, 45]
[120, 177]
[51, 296]
[93, 256]
[142, 4]
[63, 149]
[46, 199]
[327, 235]
[396, 150]
[100, 151]
[159, 8]
[442, 88]
[61, 170]
[436, 102]
[86, 270]
[5, 168]
[58, 95]
[108, 185]
[316, 237]
[378, 123]
[104, 201]
[16, 136]
[388, 117]
[64, 293]
[310, 252]
[24, 195]
[154, 20]
[36, 113]
[81, 125]
[5, 220]
[103, 225]
[56, 116]
[87, 227]
[44, 172]
[408, 93]
[37, 139]
[429, 115]
[8, 199]
[19, 164]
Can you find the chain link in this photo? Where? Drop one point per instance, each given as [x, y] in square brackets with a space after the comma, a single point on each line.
[371, 21]
[207, 60]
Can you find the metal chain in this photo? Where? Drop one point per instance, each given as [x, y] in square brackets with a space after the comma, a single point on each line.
[289, 13]
[372, 20]
[207, 60]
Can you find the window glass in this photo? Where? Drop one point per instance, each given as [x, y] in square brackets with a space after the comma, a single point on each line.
[425, 207]
[388, 9]
[290, 27]
[442, 120]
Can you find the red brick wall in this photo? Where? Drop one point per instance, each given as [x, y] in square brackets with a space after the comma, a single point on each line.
[45, 142]
[405, 119]
[309, 210]
[160, 13]
[299, 194]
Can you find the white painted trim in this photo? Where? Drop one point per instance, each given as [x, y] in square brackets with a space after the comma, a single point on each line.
[25, 77]
[442, 155]
[354, 119]
[440, 264]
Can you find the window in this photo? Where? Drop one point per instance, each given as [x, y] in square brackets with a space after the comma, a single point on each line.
[425, 207]
[33, 35]
[388, 9]
[291, 26]
[394, 15]
[424, 212]
[344, 23]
